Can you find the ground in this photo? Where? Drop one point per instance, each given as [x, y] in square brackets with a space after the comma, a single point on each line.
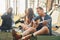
[8, 36]
[5, 36]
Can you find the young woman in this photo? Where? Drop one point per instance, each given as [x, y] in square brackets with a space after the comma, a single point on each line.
[29, 15]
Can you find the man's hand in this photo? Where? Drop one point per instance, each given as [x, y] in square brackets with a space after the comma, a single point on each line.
[45, 22]
[35, 24]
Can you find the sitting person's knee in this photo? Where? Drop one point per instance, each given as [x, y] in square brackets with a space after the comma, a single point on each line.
[32, 29]
[46, 29]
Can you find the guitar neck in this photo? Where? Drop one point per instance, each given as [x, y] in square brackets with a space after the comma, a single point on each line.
[45, 20]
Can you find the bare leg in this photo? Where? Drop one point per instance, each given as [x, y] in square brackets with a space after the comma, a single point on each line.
[44, 30]
[27, 37]
[28, 31]
[24, 26]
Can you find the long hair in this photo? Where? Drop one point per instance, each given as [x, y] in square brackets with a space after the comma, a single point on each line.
[30, 14]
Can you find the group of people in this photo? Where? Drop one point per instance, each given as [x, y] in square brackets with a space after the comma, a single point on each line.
[34, 25]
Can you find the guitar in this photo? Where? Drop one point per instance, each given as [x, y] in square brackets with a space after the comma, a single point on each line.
[35, 24]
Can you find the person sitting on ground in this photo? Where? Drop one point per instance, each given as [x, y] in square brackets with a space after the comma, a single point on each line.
[29, 15]
[7, 20]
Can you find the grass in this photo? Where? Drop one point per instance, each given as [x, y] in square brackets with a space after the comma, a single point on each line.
[5, 36]
[8, 36]
[48, 37]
